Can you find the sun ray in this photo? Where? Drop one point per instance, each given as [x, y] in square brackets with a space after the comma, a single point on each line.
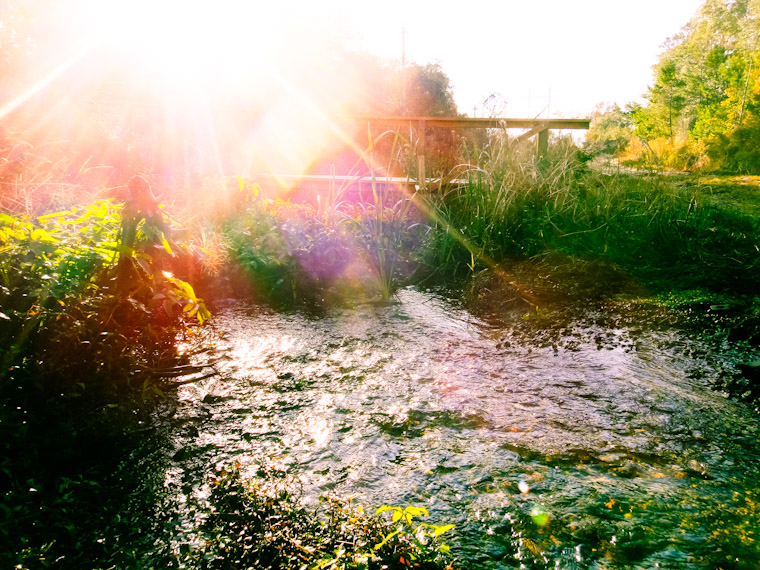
[43, 82]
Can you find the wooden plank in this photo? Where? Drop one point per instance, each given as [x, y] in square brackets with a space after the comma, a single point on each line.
[533, 132]
[290, 179]
[477, 122]
[421, 174]
[543, 142]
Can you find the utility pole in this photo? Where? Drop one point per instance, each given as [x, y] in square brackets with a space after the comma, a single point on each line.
[403, 64]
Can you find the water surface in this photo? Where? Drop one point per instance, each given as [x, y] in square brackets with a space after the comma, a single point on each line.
[608, 448]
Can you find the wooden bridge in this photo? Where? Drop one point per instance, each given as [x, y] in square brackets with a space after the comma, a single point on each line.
[533, 127]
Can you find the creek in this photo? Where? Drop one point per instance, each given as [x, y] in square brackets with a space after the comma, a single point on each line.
[607, 446]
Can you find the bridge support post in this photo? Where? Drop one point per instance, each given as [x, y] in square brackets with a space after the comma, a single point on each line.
[421, 175]
[543, 142]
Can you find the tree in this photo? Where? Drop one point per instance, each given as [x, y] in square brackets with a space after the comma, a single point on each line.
[705, 80]
[611, 131]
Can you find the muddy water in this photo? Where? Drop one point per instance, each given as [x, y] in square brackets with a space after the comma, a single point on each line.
[606, 449]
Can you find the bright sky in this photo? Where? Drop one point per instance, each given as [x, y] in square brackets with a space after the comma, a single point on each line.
[558, 58]
[578, 52]
[562, 57]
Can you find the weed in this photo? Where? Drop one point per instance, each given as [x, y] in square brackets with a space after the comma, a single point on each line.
[262, 523]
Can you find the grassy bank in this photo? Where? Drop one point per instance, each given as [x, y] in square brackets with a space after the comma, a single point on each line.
[589, 232]
[668, 235]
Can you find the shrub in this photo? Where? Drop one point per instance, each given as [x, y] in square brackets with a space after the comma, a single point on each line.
[261, 523]
[86, 345]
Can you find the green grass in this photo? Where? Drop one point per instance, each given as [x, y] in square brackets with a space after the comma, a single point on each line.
[667, 234]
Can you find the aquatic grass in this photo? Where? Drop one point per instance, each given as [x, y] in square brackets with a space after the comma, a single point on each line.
[383, 225]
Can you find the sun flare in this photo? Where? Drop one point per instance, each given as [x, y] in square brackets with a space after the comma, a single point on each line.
[232, 86]
[182, 46]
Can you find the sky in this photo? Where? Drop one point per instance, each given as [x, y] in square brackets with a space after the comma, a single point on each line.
[527, 58]
[508, 58]
[558, 57]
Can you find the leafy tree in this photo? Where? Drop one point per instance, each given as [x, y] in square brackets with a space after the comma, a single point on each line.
[611, 131]
[387, 90]
[705, 82]
[428, 92]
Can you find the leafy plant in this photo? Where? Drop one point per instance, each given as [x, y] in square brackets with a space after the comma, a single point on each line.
[262, 523]
[84, 353]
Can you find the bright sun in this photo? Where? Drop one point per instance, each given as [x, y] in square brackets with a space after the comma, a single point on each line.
[252, 85]
[183, 46]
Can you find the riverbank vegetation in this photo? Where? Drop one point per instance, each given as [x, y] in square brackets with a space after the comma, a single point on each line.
[96, 304]
[106, 296]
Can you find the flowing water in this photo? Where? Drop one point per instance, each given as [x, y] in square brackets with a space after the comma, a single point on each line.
[605, 448]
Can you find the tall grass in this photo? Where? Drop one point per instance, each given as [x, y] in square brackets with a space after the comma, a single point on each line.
[515, 206]
[342, 246]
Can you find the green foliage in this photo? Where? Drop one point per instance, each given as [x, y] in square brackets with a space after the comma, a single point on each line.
[706, 84]
[610, 133]
[262, 523]
[286, 250]
[83, 348]
[739, 151]
[500, 211]
[298, 253]
[667, 235]
[60, 269]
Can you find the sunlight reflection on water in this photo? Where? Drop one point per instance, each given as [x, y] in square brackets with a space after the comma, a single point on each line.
[422, 403]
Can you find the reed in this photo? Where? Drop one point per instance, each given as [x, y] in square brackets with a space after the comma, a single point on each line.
[516, 206]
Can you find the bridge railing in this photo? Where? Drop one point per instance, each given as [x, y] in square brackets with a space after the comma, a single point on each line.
[533, 127]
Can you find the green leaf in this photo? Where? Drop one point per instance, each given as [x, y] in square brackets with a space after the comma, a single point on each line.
[47, 217]
[411, 512]
[439, 530]
[386, 539]
[416, 511]
[184, 287]
[167, 247]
